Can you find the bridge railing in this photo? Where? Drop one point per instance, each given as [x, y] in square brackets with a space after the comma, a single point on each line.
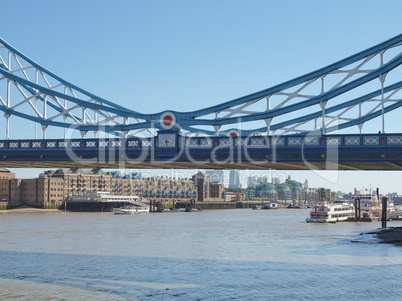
[208, 142]
[55, 144]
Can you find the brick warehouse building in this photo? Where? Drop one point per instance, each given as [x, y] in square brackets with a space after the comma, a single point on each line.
[208, 191]
[40, 192]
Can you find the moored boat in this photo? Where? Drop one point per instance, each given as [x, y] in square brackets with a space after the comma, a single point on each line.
[142, 209]
[270, 206]
[331, 213]
[371, 205]
[130, 210]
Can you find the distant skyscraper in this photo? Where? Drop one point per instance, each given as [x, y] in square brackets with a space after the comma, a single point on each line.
[306, 183]
[254, 180]
[234, 179]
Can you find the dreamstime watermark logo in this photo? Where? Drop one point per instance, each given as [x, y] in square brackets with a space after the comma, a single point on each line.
[250, 177]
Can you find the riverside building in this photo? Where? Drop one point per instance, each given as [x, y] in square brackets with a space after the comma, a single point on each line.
[40, 192]
[289, 191]
[53, 187]
[207, 190]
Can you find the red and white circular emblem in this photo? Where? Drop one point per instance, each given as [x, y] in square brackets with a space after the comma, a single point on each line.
[233, 133]
[167, 120]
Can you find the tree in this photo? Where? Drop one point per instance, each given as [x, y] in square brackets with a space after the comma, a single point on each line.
[323, 194]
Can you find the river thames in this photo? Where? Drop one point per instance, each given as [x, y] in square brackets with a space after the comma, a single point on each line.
[240, 254]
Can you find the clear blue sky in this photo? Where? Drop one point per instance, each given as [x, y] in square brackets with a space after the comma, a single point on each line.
[184, 55]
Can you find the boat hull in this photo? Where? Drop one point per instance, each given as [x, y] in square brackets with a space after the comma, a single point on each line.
[322, 220]
[125, 211]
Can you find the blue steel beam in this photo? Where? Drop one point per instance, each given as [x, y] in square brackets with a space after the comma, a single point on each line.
[365, 118]
[303, 104]
[329, 110]
[339, 107]
[188, 122]
[39, 67]
[121, 111]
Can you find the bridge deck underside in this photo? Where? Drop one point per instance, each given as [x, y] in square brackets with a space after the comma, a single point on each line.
[374, 152]
[288, 165]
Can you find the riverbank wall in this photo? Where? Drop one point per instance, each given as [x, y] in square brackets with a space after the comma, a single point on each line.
[215, 205]
[108, 206]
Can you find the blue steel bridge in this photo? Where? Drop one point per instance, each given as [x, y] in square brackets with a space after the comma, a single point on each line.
[315, 121]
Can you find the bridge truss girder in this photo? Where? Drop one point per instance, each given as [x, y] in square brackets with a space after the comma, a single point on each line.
[345, 94]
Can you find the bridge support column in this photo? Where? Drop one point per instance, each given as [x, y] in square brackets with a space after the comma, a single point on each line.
[7, 126]
[268, 123]
[384, 213]
[382, 80]
[323, 105]
[357, 210]
[152, 206]
[44, 128]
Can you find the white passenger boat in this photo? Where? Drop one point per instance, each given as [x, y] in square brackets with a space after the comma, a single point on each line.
[331, 213]
[370, 204]
[130, 210]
